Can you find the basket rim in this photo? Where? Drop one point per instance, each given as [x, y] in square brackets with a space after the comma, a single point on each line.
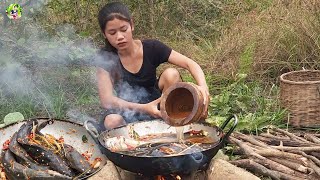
[298, 82]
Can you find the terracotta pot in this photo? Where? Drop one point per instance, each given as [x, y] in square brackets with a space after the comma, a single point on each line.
[182, 104]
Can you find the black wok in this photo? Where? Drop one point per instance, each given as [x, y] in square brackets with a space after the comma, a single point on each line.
[71, 132]
[165, 165]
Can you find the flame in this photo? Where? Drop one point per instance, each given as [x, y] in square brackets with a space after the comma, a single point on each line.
[178, 177]
[160, 177]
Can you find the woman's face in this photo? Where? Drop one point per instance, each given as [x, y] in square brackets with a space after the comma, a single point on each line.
[119, 33]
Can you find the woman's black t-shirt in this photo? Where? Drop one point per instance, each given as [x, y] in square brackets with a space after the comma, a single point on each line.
[140, 87]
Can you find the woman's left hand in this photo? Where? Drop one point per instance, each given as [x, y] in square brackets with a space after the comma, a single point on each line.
[152, 108]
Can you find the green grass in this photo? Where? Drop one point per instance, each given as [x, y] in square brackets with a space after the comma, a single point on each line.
[54, 94]
[255, 106]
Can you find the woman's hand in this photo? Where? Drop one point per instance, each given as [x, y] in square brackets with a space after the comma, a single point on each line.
[152, 108]
[205, 93]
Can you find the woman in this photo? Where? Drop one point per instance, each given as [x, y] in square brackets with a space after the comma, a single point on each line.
[132, 74]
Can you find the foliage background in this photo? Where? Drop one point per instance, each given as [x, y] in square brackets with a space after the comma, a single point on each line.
[242, 45]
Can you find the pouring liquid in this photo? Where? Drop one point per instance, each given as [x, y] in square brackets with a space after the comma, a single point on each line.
[179, 132]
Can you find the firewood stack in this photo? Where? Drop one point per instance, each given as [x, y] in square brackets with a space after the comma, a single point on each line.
[279, 154]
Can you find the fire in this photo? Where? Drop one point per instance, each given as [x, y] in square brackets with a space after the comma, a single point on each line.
[160, 177]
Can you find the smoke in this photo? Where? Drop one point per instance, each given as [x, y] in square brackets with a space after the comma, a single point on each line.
[52, 74]
[37, 76]
[77, 116]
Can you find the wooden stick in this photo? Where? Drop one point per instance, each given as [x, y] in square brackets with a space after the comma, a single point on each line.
[181, 152]
[260, 169]
[245, 148]
[254, 147]
[305, 149]
[314, 159]
[267, 135]
[250, 139]
[312, 138]
[292, 136]
[315, 154]
[276, 142]
[317, 135]
[256, 168]
[277, 153]
[262, 160]
[279, 167]
[274, 165]
[290, 164]
[312, 165]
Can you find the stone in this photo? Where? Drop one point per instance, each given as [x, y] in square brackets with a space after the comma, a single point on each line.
[221, 169]
[108, 172]
[221, 155]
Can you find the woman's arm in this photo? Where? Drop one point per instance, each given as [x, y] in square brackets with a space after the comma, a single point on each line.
[197, 73]
[109, 101]
[194, 68]
[107, 98]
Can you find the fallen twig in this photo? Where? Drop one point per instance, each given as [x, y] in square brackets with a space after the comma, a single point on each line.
[314, 159]
[251, 140]
[305, 149]
[292, 136]
[256, 167]
[312, 138]
[277, 153]
[260, 169]
[285, 142]
[245, 148]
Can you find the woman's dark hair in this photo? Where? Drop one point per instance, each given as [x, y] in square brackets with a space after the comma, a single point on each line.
[109, 12]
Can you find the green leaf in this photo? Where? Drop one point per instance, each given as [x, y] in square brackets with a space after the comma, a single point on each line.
[13, 118]
[84, 139]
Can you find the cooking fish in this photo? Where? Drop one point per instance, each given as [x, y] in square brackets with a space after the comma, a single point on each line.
[16, 171]
[40, 153]
[22, 156]
[76, 160]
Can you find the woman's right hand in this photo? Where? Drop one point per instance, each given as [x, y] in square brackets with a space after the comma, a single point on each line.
[152, 108]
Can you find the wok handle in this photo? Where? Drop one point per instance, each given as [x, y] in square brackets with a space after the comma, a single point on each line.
[235, 118]
[93, 132]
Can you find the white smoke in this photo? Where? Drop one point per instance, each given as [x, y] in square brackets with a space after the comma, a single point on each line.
[33, 64]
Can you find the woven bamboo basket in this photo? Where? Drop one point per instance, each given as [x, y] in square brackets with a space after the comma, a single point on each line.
[300, 94]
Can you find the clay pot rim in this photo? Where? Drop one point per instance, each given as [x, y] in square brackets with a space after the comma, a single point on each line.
[190, 87]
